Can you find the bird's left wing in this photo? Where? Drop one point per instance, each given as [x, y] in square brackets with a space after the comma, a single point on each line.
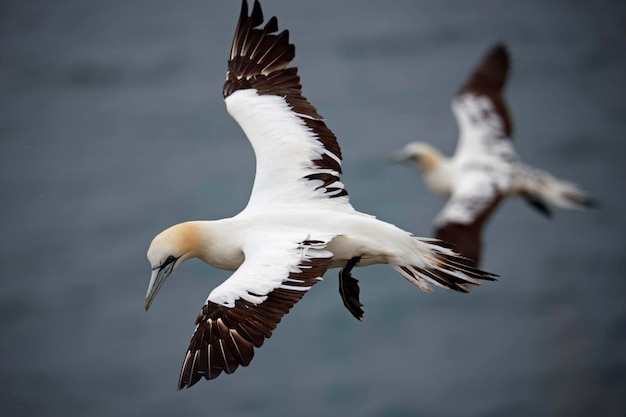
[481, 112]
[461, 220]
[243, 311]
[298, 159]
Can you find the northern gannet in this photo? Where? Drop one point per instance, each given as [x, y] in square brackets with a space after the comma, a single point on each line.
[485, 167]
[297, 224]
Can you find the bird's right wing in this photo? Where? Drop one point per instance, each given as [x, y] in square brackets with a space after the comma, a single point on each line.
[462, 219]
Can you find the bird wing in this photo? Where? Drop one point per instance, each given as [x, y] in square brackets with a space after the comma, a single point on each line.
[298, 159]
[461, 220]
[484, 122]
[243, 311]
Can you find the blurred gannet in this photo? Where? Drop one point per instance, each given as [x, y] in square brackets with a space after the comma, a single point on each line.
[297, 224]
[485, 167]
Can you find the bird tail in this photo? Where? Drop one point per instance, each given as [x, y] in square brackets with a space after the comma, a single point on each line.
[541, 189]
[439, 265]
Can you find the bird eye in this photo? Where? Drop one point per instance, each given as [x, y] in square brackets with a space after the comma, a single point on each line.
[169, 260]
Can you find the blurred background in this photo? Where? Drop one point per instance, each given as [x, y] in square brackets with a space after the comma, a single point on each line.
[113, 127]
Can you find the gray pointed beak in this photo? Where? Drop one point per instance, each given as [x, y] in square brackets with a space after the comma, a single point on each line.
[156, 281]
[398, 157]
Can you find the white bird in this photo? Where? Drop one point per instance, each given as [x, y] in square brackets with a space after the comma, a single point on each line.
[485, 167]
[297, 224]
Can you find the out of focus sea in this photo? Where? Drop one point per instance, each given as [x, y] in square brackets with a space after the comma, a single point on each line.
[113, 127]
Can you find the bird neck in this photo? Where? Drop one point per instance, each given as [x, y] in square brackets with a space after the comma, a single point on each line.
[218, 244]
[432, 160]
[439, 174]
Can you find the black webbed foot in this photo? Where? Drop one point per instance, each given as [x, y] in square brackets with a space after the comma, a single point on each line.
[537, 204]
[349, 289]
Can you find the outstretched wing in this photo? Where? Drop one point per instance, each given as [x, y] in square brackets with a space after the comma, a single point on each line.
[244, 310]
[462, 219]
[298, 159]
[479, 107]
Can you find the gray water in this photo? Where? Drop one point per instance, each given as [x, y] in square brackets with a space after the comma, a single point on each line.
[113, 128]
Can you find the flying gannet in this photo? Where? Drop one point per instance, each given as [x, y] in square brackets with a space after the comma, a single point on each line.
[485, 167]
[298, 222]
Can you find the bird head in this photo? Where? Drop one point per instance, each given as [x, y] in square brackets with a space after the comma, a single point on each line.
[168, 250]
[419, 155]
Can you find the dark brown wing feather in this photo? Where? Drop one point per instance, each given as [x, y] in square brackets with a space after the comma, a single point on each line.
[258, 60]
[466, 239]
[489, 78]
[225, 337]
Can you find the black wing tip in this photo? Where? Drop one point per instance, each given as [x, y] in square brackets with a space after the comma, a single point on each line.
[213, 350]
[195, 378]
[256, 17]
[491, 72]
[260, 56]
[243, 14]
[499, 51]
[257, 13]
[498, 56]
[272, 25]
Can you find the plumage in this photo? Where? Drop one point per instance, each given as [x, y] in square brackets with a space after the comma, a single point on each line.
[297, 224]
[485, 167]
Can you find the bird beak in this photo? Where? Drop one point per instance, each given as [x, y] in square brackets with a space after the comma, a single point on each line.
[156, 281]
[398, 157]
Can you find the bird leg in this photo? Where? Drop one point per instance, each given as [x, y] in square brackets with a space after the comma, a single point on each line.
[349, 289]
